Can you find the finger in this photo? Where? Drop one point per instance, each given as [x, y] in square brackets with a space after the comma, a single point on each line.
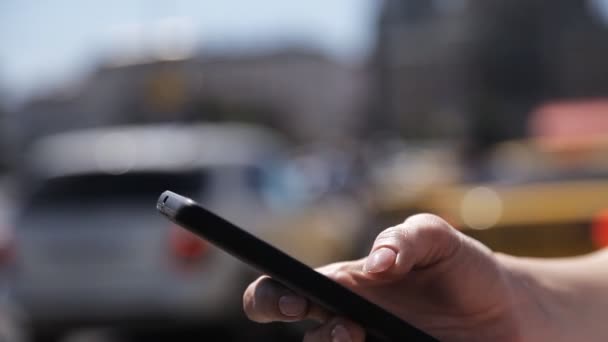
[266, 300]
[336, 330]
[347, 273]
[421, 241]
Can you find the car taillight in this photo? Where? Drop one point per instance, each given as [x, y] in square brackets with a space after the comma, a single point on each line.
[186, 246]
[599, 229]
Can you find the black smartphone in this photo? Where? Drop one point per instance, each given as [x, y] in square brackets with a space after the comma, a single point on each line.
[295, 275]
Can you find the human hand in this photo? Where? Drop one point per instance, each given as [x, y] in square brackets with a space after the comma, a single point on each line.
[426, 273]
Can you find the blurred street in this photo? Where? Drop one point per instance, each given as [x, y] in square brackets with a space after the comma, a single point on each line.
[312, 125]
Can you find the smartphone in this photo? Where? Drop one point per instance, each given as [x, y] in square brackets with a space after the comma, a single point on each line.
[292, 273]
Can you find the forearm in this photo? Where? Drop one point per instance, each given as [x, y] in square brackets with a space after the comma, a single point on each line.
[561, 299]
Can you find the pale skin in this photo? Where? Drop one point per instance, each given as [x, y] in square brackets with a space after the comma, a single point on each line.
[455, 289]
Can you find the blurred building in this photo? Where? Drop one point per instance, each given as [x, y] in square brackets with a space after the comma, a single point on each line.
[477, 68]
[422, 68]
[300, 92]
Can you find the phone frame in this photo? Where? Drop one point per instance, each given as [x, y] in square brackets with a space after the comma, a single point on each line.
[285, 269]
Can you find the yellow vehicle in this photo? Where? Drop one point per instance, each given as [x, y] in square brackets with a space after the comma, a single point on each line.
[549, 200]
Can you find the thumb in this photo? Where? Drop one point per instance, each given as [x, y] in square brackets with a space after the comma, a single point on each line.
[421, 241]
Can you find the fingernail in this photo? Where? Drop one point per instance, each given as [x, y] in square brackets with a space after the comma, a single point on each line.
[292, 306]
[340, 334]
[380, 260]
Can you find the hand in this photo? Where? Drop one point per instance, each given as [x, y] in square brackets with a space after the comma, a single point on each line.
[426, 273]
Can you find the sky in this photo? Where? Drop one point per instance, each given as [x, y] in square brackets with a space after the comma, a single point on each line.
[44, 42]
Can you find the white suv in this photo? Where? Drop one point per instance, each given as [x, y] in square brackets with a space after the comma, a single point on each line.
[90, 246]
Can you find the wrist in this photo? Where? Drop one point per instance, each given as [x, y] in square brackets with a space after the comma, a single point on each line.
[539, 301]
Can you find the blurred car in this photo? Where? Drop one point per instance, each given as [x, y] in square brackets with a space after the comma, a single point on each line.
[538, 199]
[90, 247]
[544, 195]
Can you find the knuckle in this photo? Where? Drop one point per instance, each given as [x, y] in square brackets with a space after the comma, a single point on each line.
[437, 234]
[391, 235]
[432, 228]
[427, 221]
[425, 225]
[329, 268]
[341, 276]
[429, 225]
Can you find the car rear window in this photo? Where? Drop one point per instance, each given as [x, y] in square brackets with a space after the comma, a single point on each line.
[144, 187]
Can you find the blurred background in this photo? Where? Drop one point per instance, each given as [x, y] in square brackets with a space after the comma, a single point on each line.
[314, 125]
